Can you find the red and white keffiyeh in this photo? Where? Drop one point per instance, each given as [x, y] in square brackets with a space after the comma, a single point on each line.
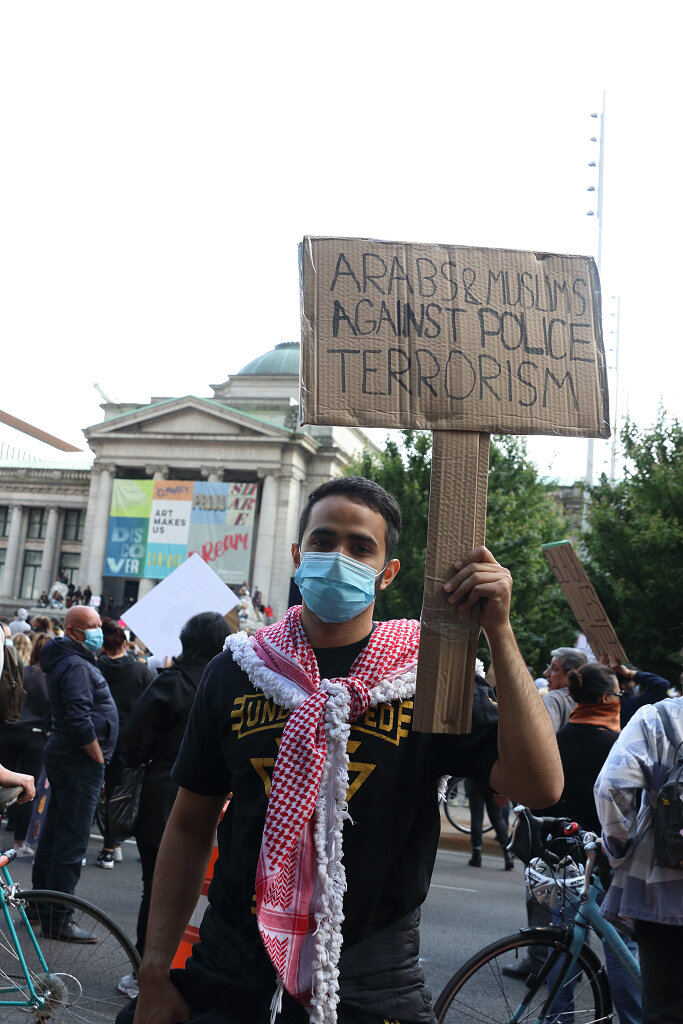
[300, 880]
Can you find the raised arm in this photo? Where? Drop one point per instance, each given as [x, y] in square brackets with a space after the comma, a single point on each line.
[528, 768]
[178, 877]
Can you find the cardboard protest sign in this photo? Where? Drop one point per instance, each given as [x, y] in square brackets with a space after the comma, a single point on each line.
[190, 589]
[464, 342]
[584, 602]
[440, 337]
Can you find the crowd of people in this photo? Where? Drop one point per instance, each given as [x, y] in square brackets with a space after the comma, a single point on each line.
[261, 717]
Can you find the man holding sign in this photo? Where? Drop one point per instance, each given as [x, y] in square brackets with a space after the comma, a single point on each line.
[309, 715]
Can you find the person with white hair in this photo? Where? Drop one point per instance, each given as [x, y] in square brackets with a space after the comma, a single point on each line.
[558, 701]
[20, 624]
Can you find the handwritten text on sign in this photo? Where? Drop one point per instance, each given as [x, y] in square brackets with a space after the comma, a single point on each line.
[448, 337]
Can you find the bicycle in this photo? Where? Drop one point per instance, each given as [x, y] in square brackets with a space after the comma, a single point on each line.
[44, 977]
[457, 807]
[545, 975]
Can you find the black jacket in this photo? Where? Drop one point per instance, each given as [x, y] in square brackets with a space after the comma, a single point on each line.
[583, 750]
[81, 707]
[127, 678]
[153, 732]
[36, 713]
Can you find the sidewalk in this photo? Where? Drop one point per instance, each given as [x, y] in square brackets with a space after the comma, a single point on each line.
[451, 839]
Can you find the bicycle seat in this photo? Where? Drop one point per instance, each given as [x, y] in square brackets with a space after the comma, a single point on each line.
[8, 795]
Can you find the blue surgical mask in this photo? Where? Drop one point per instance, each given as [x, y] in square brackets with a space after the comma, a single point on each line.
[334, 586]
[94, 639]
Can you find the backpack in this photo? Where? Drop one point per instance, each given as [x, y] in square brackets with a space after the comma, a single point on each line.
[12, 692]
[667, 804]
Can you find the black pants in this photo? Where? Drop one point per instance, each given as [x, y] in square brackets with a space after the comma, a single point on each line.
[661, 956]
[112, 778]
[148, 859]
[481, 798]
[75, 785]
[21, 750]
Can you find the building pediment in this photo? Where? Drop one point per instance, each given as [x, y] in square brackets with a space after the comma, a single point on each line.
[196, 417]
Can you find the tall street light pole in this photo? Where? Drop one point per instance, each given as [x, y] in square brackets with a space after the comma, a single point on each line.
[596, 213]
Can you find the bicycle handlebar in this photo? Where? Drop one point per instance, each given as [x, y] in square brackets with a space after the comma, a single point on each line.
[531, 837]
[8, 796]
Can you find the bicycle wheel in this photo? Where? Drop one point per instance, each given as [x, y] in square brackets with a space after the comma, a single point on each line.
[457, 807]
[81, 982]
[480, 991]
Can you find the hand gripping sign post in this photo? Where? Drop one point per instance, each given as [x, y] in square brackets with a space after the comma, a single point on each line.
[583, 600]
[463, 342]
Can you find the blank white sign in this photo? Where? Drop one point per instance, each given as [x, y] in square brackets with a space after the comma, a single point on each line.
[190, 589]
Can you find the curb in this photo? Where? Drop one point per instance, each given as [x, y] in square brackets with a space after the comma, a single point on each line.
[451, 839]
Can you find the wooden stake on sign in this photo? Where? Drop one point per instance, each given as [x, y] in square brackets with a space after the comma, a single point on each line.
[583, 600]
[448, 643]
[40, 435]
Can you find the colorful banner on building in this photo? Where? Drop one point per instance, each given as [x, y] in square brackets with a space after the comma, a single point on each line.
[155, 525]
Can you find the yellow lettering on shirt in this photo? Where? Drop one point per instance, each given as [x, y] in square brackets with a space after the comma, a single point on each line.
[386, 721]
[252, 713]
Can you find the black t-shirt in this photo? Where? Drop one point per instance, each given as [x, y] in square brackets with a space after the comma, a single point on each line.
[230, 745]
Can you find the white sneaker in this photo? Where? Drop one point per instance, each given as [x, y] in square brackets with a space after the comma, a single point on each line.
[128, 985]
[25, 850]
[118, 854]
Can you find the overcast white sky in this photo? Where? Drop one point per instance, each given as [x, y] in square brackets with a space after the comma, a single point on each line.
[161, 161]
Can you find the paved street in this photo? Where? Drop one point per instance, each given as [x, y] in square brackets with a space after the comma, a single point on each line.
[116, 891]
[466, 909]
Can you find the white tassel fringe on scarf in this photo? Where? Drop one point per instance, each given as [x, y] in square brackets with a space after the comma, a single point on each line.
[331, 811]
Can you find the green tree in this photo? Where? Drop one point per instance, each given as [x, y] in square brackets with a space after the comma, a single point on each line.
[635, 546]
[404, 470]
[521, 516]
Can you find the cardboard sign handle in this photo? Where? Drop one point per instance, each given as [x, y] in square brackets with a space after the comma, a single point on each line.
[448, 641]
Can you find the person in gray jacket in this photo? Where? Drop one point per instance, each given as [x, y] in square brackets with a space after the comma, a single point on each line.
[558, 701]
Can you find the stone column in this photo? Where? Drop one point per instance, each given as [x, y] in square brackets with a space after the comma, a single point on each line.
[263, 558]
[144, 587]
[286, 523]
[157, 472]
[9, 573]
[98, 547]
[212, 476]
[47, 567]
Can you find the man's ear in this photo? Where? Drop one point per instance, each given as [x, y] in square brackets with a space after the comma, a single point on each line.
[296, 554]
[390, 570]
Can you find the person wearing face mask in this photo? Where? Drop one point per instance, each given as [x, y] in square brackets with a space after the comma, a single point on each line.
[333, 825]
[84, 731]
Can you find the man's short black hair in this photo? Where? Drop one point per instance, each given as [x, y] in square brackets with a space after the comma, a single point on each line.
[363, 492]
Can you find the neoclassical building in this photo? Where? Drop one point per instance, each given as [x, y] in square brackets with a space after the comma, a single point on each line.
[54, 516]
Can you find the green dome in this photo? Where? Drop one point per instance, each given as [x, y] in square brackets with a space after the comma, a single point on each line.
[283, 359]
